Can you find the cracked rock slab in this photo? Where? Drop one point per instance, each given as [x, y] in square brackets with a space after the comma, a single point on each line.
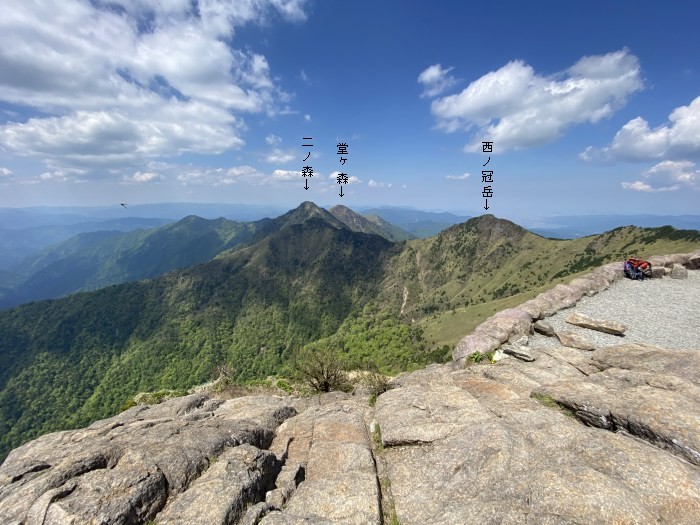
[601, 325]
[125, 469]
[340, 479]
[239, 477]
[413, 415]
[509, 459]
[572, 339]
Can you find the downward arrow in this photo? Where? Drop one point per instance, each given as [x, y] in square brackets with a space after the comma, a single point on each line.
[341, 191]
[306, 182]
[486, 206]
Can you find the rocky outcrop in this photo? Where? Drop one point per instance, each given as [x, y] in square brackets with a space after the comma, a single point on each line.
[661, 407]
[679, 272]
[601, 325]
[609, 436]
[574, 340]
[332, 446]
[501, 443]
[191, 460]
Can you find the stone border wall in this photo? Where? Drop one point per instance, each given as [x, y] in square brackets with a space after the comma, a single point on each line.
[516, 322]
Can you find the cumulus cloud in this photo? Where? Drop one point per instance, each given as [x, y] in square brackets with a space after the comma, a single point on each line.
[273, 140]
[636, 141]
[126, 81]
[5, 172]
[517, 108]
[352, 179]
[307, 118]
[435, 80]
[464, 176]
[667, 175]
[283, 175]
[278, 156]
[145, 176]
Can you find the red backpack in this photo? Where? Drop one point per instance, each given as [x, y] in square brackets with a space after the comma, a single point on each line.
[637, 268]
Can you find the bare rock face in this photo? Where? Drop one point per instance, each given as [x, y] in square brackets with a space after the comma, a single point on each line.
[657, 272]
[531, 308]
[505, 324]
[332, 446]
[601, 325]
[693, 261]
[126, 469]
[679, 272]
[498, 443]
[657, 399]
[544, 328]
[574, 340]
[239, 476]
[472, 343]
[518, 351]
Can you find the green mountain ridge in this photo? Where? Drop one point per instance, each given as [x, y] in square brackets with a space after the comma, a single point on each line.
[94, 260]
[373, 224]
[302, 279]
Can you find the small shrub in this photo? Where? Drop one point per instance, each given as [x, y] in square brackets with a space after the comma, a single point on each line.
[375, 382]
[284, 386]
[476, 357]
[127, 404]
[321, 368]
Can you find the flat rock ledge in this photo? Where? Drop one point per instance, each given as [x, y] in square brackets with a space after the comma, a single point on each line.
[609, 436]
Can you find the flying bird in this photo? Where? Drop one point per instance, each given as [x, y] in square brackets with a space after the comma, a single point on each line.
[123, 204]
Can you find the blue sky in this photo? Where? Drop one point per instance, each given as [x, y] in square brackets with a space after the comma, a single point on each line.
[592, 107]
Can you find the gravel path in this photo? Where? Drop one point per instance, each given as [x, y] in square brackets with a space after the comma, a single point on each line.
[663, 312]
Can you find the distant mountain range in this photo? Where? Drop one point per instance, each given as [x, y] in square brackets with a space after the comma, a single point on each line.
[419, 224]
[573, 226]
[306, 278]
[49, 252]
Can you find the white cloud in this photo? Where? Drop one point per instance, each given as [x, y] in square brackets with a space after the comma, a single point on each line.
[283, 175]
[307, 118]
[516, 108]
[273, 140]
[435, 80]
[217, 176]
[145, 176]
[667, 175]
[277, 156]
[116, 93]
[5, 172]
[352, 179]
[374, 184]
[636, 141]
[637, 186]
[56, 175]
[464, 176]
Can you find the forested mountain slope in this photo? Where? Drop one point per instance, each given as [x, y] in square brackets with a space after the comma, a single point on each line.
[97, 259]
